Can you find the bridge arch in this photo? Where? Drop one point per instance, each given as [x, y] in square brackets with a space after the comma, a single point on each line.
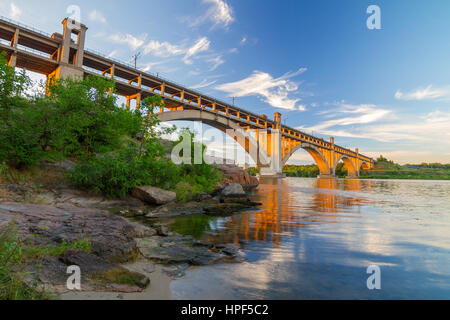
[317, 155]
[364, 166]
[348, 163]
[223, 124]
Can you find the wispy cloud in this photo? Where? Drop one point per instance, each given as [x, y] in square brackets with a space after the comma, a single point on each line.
[216, 62]
[428, 93]
[130, 40]
[112, 54]
[14, 11]
[375, 123]
[274, 91]
[166, 49]
[97, 16]
[200, 45]
[204, 84]
[220, 14]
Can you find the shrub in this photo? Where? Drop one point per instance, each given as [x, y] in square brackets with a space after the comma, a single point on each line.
[115, 174]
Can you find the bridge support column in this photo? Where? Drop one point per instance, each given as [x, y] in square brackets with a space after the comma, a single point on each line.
[71, 53]
[274, 148]
[12, 62]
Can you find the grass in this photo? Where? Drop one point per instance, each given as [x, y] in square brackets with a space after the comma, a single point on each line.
[15, 255]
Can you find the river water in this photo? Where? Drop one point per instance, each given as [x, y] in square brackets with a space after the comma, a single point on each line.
[315, 239]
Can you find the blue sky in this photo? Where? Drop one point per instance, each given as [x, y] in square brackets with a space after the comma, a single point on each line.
[385, 91]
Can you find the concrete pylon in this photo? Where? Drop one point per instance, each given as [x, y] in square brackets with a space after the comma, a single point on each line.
[271, 142]
[71, 51]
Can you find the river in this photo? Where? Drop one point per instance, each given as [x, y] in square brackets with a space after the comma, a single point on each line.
[315, 239]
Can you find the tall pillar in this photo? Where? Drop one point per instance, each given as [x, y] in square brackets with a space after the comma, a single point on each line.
[273, 149]
[333, 158]
[12, 62]
[71, 53]
[357, 162]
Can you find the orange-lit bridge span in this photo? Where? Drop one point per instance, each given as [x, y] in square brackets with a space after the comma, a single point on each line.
[269, 142]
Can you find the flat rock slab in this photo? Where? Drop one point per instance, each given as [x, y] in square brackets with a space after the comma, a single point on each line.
[111, 236]
[96, 274]
[153, 195]
[178, 250]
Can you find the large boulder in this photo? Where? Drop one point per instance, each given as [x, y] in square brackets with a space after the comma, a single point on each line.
[152, 195]
[235, 174]
[111, 236]
[233, 190]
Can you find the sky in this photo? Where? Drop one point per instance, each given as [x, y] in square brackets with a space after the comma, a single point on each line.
[385, 91]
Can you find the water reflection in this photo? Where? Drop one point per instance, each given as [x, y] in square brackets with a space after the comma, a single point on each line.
[315, 239]
[280, 213]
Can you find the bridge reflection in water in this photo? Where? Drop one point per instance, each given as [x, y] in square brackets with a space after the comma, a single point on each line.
[286, 209]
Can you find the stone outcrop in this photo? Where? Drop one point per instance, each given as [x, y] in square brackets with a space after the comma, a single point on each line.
[233, 190]
[110, 235]
[184, 249]
[97, 274]
[234, 174]
[152, 195]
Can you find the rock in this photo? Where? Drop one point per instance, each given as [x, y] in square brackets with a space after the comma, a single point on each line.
[142, 231]
[162, 230]
[153, 195]
[110, 235]
[177, 250]
[225, 209]
[97, 274]
[233, 190]
[236, 174]
[177, 209]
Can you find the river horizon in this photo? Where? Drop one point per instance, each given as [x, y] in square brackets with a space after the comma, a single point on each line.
[315, 239]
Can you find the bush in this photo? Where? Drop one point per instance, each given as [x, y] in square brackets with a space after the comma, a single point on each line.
[115, 174]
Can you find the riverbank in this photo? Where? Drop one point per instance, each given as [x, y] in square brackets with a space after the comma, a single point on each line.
[132, 251]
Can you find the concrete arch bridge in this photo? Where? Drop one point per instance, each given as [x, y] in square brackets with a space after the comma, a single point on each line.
[268, 142]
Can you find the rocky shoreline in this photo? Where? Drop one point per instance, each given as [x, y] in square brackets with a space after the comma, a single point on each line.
[123, 233]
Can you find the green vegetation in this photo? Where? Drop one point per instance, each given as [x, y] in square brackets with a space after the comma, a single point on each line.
[15, 255]
[114, 149]
[386, 169]
[253, 171]
[312, 171]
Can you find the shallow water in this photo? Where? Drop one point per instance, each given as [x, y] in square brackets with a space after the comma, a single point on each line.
[315, 239]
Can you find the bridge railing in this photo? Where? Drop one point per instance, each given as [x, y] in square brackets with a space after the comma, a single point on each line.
[24, 26]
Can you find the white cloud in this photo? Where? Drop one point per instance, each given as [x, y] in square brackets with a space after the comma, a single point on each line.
[243, 40]
[165, 49]
[112, 54]
[220, 14]
[97, 16]
[205, 83]
[273, 91]
[14, 11]
[428, 131]
[200, 45]
[366, 113]
[132, 41]
[216, 62]
[428, 93]
[162, 49]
